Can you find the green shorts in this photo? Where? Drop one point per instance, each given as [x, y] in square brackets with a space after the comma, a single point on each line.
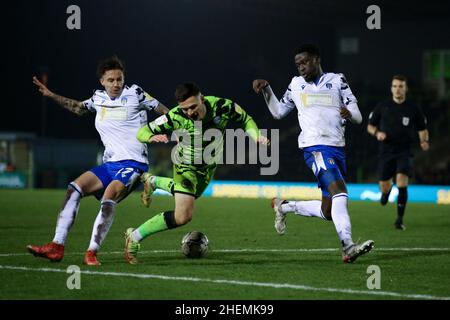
[191, 180]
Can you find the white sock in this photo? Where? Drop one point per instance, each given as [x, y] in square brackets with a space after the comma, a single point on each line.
[136, 235]
[102, 224]
[311, 208]
[68, 213]
[341, 219]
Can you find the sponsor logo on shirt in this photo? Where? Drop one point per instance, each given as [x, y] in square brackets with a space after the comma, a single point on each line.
[161, 120]
[113, 113]
[310, 99]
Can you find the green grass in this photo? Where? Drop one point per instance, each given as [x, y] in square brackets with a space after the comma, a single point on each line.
[29, 217]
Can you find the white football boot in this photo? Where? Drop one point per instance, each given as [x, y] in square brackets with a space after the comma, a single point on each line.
[353, 251]
[280, 217]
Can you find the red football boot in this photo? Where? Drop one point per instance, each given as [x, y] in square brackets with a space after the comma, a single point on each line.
[90, 258]
[51, 251]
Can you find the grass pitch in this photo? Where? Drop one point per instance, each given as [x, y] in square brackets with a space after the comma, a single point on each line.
[247, 258]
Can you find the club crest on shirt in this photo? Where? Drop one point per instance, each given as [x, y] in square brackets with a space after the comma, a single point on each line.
[405, 121]
[216, 120]
[328, 85]
[331, 161]
[123, 100]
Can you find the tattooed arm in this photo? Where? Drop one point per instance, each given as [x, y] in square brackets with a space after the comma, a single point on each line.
[74, 106]
[161, 109]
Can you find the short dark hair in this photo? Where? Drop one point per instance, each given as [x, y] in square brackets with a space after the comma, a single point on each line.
[186, 90]
[111, 63]
[309, 48]
[400, 77]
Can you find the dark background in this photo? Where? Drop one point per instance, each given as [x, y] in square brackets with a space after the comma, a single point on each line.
[223, 46]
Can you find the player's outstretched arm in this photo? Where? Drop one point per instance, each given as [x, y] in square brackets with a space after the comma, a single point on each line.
[249, 125]
[74, 106]
[277, 109]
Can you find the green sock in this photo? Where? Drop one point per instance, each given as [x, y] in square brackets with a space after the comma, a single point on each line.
[163, 183]
[160, 222]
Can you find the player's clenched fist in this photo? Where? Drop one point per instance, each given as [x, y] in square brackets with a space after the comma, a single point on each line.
[160, 138]
[259, 84]
[263, 140]
[345, 113]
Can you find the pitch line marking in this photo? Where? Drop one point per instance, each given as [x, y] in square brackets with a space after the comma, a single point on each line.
[235, 282]
[243, 250]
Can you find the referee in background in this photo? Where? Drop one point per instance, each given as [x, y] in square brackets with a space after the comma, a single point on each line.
[394, 123]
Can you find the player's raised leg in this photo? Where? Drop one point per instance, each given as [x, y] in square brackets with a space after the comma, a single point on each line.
[84, 185]
[311, 208]
[151, 183]
[124, 181]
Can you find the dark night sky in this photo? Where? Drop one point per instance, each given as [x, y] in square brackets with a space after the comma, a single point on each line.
[221, 45]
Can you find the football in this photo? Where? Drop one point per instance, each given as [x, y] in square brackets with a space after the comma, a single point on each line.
[194, 244]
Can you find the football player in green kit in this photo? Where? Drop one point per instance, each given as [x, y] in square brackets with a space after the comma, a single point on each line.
[194, 115]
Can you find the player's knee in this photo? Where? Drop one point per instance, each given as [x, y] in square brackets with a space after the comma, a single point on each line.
[73, 188]
[337, 187]
[326, 210]
[184, 219]
[333, 181]
[116, 191]
[115, 196]
[183, 216]
[402, 181]
[385, 186]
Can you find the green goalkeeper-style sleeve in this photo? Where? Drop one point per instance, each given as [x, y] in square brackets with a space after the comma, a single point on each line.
[252, 129]
[161, 125]
[144, 134]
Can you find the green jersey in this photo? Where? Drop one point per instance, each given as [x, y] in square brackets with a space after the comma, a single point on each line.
[219, 113]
